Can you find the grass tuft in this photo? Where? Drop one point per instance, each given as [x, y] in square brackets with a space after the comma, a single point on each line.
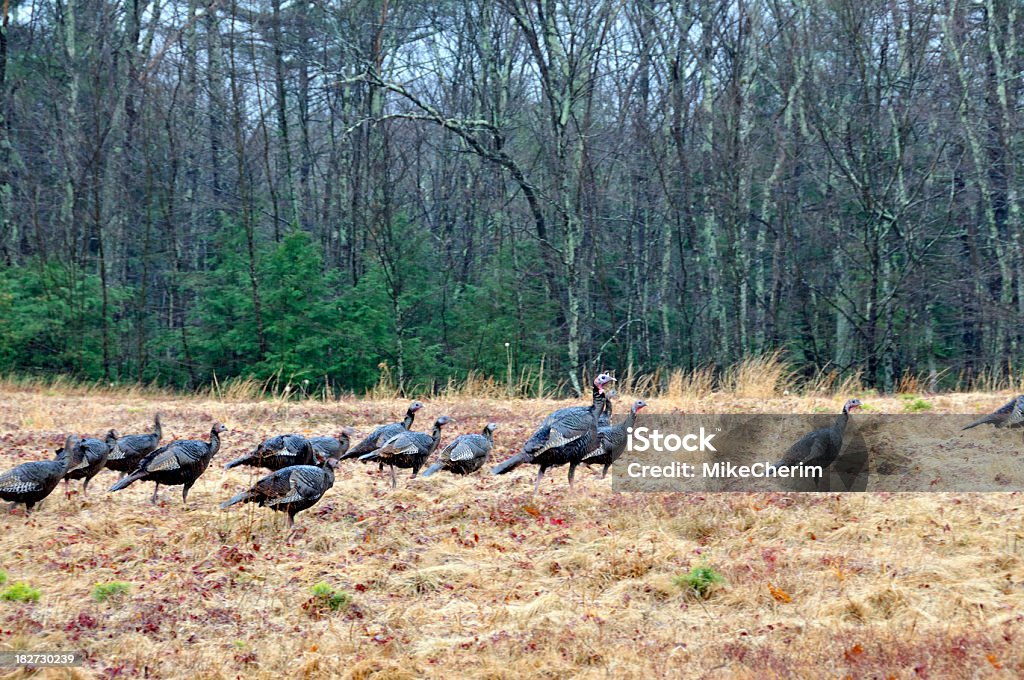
[759, 377]
[102, 592]
[326, 597]
[20, 592]
[700, 581]
[697, 384]
[913, 404]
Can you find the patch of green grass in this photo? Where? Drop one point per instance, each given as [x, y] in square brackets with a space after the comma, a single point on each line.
[700, 581]
[912, 404]
[20, 592]
[331, 598]
[3, 577]
[102, 592]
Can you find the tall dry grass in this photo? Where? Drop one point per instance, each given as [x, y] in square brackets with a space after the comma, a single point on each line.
[757, 377]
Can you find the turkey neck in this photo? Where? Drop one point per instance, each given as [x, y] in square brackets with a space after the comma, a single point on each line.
[410, 416]
[157, 429]
[599, 401]
[328, 476]
[840, 425]
[73, 457]
[435, 439]
[630, 419]
[214, 442]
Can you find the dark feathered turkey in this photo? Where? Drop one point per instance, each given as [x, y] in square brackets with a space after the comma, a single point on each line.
[331, 447]
[179, 463]
[291, 489]
[281, 451]
[611, 441]
[31, 482]
[465, 454]
[820, 447]
[1009, 415]
[565, 436]
[384, 433]
[96, 453]
[132, 448]
[408, 449]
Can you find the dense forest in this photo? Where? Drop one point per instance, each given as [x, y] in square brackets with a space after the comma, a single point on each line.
[194, 190]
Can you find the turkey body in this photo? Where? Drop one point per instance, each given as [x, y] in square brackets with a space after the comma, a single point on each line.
[179, 463]
[408, 449]
[465, 454]
[565, 436]
[29, 483]
[1009, 415]
[383, 433]
[275, 453]
[124, 457]
[331, 447]
[95, 453]
[611, 441]
[291, 489]
[819, 448]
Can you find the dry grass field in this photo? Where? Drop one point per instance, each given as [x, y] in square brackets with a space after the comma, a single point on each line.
[468, 578]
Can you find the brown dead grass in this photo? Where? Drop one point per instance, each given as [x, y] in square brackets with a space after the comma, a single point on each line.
[465, 578]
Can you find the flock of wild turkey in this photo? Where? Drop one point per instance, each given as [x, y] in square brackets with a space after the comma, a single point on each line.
[303, 468]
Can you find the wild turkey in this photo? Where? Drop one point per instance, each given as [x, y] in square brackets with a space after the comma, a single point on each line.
[31, 482]
[291, 489]
[820, 447]
[465, 454]
[275, 453]
[408, 449]
[331, 447]
[1009, 415]
[565, 436]
[384, 433]
[132, 448]
[96, 453]
[612, 441]
[180, 462]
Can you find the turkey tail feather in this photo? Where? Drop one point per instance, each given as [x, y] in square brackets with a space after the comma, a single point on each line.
[980, 421]
[240, 498]
[431, 470]
[510, 464]
[125, 482]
